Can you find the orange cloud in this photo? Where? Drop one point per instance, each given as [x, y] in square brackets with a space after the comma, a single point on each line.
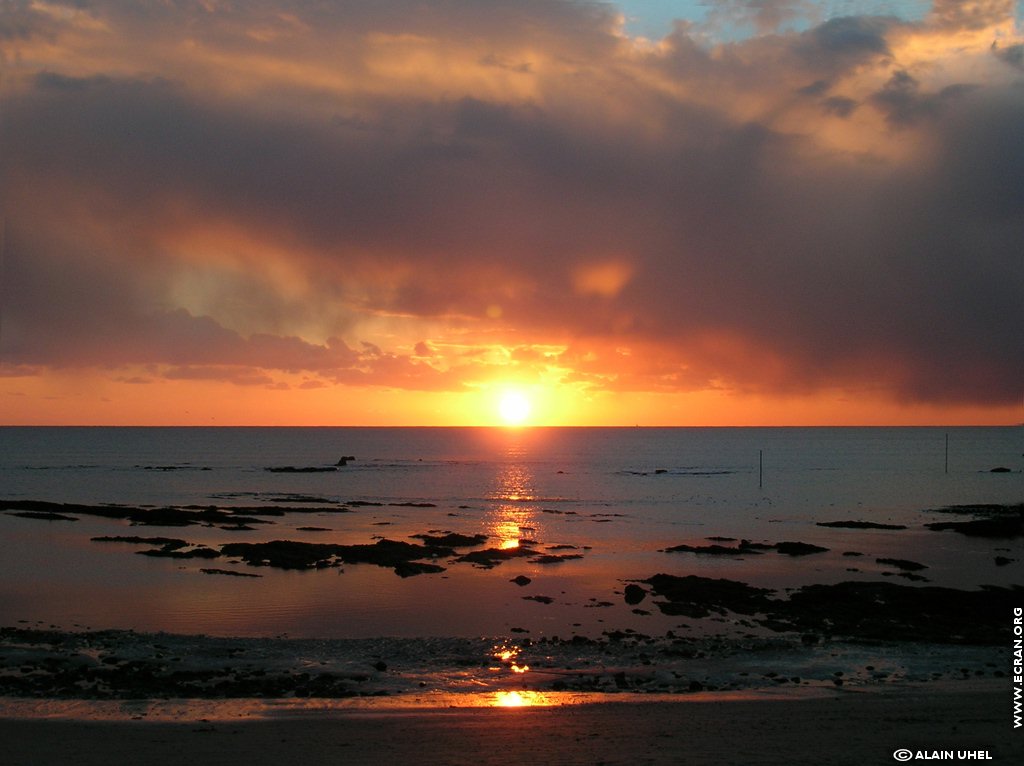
[300, 198]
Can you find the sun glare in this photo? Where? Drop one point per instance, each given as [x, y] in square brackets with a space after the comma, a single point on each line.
[514, 408]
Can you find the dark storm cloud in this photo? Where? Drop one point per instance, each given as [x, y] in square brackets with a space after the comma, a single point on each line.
[1012, 55]
[594, 195]
[842, 42]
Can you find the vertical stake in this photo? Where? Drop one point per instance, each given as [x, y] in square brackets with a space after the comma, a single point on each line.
[760, 468]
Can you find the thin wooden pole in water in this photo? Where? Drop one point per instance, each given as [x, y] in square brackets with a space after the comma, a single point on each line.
[760, 468]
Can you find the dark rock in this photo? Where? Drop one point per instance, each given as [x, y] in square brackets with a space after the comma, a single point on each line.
[539, 599]
[859, 525]
[634, 594]
[164, 517]
[695, 596]
[491, 557]
[42, 515]
[413, 568]
[798, 549]
[711, 550]
[199, 552]
[1000, 469]
[550, 558]
[909, 566]
[452, 540]
[290, 554]
[170, 543]
[860, 610]
[345, 460]
[886, 611]
[982, 509]
[521, 580]
[1002, 527]
[228, 572]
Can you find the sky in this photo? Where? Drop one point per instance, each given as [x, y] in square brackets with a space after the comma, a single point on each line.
[732, 212]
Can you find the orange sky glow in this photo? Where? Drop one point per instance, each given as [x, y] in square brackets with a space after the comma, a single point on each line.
[403, 213]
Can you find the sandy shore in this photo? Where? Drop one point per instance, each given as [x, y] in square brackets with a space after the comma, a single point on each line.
[844, 728]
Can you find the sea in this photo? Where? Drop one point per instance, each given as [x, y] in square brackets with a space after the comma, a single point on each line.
[603, 503]
[593, 511]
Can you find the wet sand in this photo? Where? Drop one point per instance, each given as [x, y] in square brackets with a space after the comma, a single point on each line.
[842, 728]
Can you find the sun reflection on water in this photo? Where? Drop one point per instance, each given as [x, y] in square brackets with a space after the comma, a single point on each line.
[510, 699]
[522, 699]
[515, 515]
[508, 655]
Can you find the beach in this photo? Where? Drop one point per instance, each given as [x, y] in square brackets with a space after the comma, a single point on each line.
[841, 728]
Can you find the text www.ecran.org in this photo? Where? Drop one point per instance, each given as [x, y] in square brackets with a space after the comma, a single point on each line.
[1018, 664]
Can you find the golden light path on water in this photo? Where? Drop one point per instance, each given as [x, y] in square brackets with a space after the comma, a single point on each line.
[523, 699]
[515, 515]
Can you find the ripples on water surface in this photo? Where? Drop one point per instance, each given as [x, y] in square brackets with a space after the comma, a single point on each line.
[613, 496]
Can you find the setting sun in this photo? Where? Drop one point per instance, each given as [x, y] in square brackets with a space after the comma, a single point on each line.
[514, 408]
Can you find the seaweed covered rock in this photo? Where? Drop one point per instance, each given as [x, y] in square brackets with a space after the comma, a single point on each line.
[401, 556]
[695, 596]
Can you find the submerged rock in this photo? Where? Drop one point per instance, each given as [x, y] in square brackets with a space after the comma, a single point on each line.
[551, 558]
[634, 594]
[887, 611]
[171, 543]
[228, 572]
[711, 550]
[42, 515]
[910, 566]
[747, 547]
[859, 525]
[491, 557]
[451, 540]
[290, 554]
[798, 549]
[169, 516]
[199, 552]
[539, 599]
[695, 596]
[1002, 527]
[997, 521]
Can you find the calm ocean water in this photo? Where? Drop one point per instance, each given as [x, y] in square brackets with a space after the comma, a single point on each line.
[615, 497]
